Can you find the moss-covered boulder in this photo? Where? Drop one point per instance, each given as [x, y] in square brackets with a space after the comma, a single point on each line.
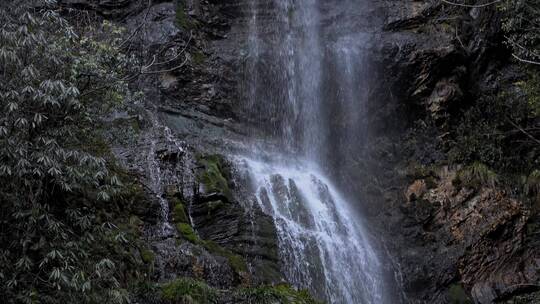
[179, 214]
[214, 176]
[187, 232]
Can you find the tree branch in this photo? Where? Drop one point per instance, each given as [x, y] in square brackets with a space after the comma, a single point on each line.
[471, 6]
[525, 60]
[522, 130]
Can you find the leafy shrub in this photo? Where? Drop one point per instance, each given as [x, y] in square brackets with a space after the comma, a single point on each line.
[496, 130]
[532, 184]
[476, 175]
[59, 196]
[278, 294]
[187, 290]
[520, 23]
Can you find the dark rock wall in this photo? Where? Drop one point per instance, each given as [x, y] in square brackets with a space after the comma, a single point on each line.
[453, 244]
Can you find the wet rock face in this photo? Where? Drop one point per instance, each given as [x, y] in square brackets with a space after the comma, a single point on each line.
[228, 215]
[189, 260]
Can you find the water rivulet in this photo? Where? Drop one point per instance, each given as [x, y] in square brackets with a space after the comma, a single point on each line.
[305, 69]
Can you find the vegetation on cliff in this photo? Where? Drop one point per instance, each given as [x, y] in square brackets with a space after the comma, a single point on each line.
[187, 290]
[65, 234]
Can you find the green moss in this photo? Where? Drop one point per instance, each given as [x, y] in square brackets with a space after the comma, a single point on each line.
[199, 57]
[147, 256]
[282, 294]
[214, 176]
[457, 295]
[475, 176]
[179, 212]
[187, 232]
[187, 290]
[182, 18]
[236, 262]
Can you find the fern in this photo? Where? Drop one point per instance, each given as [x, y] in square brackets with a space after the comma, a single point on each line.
[477, 175]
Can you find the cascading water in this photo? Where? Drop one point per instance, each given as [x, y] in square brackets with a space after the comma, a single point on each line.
[322, 245]
[156, 175]
[304, 65]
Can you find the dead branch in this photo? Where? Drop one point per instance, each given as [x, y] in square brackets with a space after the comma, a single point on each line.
[153, 63]
[140, 26]
[167, 70]
[525, 60]
[469, 5]
[522, 130]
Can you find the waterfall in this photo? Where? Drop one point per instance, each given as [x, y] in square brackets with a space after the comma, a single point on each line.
[322, 246]
[305, 69]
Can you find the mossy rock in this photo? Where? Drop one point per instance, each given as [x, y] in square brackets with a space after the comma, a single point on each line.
[214, 206]
[236, 262]
[179, 212]
[148, 256]
[188, 290]
[215, 175]
[188, 233]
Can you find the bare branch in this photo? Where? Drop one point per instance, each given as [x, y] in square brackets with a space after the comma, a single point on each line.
[525, 60]
[461, 42]
[167, 70]
[172, 59]
[139, 27]
[522, 130]
[471, 6]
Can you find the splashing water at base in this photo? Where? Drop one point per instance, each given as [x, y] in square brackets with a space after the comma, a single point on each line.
[322, 247]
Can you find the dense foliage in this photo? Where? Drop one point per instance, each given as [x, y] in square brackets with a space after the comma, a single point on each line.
[522, 27]
[57, 190]
[499, 128]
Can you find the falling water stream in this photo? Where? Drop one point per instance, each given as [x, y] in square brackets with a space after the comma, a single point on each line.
[305, 64]
[322, 244]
